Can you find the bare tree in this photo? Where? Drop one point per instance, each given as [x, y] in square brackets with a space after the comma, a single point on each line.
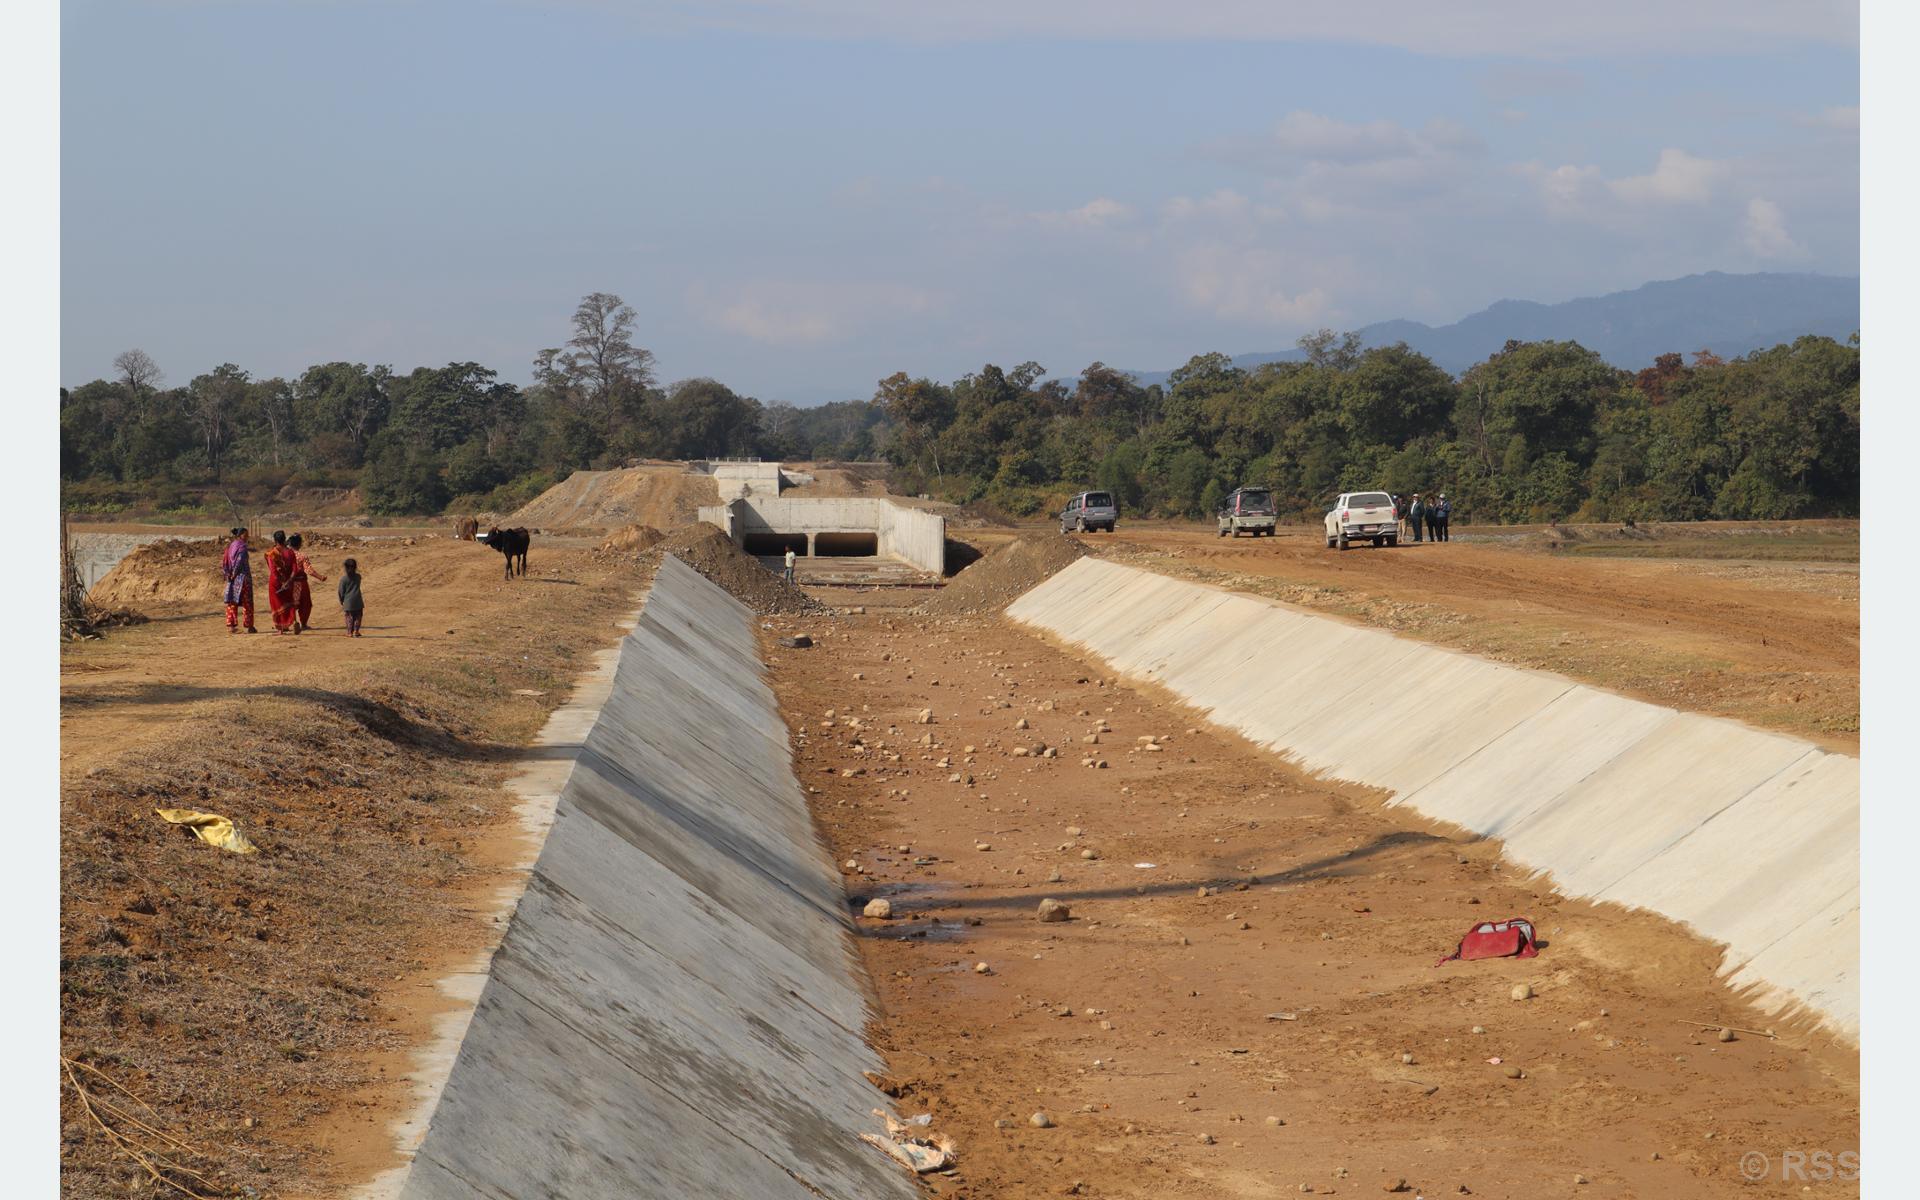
[139, 374]
[601, 371]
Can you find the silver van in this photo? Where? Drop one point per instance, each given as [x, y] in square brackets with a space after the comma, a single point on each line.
[1089, 511]
[1248, 509]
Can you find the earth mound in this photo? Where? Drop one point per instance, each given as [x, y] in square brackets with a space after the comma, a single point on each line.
[171, 570]
[665, 497]
[997, 579]
[712, 553]
[632, 539]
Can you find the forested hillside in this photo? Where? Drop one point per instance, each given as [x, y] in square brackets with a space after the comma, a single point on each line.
[1541, 430]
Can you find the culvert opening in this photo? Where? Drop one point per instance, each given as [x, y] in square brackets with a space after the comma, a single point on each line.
[846, 545]
[772, 545]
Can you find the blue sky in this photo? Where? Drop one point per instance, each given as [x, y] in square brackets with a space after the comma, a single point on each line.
[802, 197]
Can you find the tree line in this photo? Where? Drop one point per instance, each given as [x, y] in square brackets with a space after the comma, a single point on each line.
[1539, 431]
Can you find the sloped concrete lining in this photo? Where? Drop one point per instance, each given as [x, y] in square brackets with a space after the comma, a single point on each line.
[676, 1009]
[1751, 838]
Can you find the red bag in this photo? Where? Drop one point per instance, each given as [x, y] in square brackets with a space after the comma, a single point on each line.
[1512, 938]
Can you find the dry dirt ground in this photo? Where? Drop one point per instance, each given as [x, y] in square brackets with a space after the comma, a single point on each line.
[263, 1005]
[1771, 641]
[1286, 1031]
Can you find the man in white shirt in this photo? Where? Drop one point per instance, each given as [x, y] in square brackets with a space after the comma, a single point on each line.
[789, 572]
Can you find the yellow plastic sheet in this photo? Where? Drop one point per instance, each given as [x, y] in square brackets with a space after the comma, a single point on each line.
[211, 828]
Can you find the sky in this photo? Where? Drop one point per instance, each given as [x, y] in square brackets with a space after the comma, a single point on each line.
[801, 197]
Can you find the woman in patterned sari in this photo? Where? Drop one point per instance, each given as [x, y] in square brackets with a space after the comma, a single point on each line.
[239, 575]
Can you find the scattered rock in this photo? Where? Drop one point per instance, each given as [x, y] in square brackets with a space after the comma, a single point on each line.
[1395, 1185]
[1522, 991]
[981, 968]
[1479, 1029]
[1053, 910]
[879, 910]
[1727, 1035]
[1579, 1178]
[1040, 1120]
[1089, 854]
[1275, 1121]
[798, 642]
[1205, 1139]
[1512, 1072]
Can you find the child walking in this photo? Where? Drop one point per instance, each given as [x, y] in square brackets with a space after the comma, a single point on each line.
[350, 601]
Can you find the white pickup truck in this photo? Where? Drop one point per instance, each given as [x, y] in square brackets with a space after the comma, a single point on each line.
[1363, 517]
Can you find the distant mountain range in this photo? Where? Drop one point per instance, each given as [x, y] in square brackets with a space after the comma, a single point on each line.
[1727, 314]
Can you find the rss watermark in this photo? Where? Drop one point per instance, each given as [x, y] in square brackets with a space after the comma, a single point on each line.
[1800, 1166]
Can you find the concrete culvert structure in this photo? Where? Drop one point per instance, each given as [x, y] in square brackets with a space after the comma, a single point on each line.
[774, 545]
[846, 545]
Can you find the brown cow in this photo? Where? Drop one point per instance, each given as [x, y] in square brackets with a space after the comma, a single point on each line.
[466, 529]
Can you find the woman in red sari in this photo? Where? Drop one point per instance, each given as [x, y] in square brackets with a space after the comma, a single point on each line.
[302, 591]
[280, 569]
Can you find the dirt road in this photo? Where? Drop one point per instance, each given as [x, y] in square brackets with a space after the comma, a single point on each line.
[1773, 643]
[264, 1005]
[1286, 1030]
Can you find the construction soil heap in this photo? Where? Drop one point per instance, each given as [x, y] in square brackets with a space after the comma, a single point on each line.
[709, 551]
[664, 496]
[1004, 573]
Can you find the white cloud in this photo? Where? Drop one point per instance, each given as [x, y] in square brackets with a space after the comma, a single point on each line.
[1319, 167]
[1566, 189]
[793, 313]
[1095, 213]
[1223, 205]
[1236, 283]
[1678, 178]
[1765, 231]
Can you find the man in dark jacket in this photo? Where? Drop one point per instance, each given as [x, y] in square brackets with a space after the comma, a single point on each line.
[1442, 517]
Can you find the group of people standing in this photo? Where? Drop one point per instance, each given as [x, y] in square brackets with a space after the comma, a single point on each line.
[1430, 515]
[289, 594]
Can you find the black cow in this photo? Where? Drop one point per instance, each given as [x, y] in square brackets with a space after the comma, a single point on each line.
[512, 543]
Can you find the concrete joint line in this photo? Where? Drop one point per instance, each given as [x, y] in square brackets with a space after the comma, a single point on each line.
[1483, 746]
[1600, 893]
[614, 768]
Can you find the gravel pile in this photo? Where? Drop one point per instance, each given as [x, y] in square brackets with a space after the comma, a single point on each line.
[709, 551]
